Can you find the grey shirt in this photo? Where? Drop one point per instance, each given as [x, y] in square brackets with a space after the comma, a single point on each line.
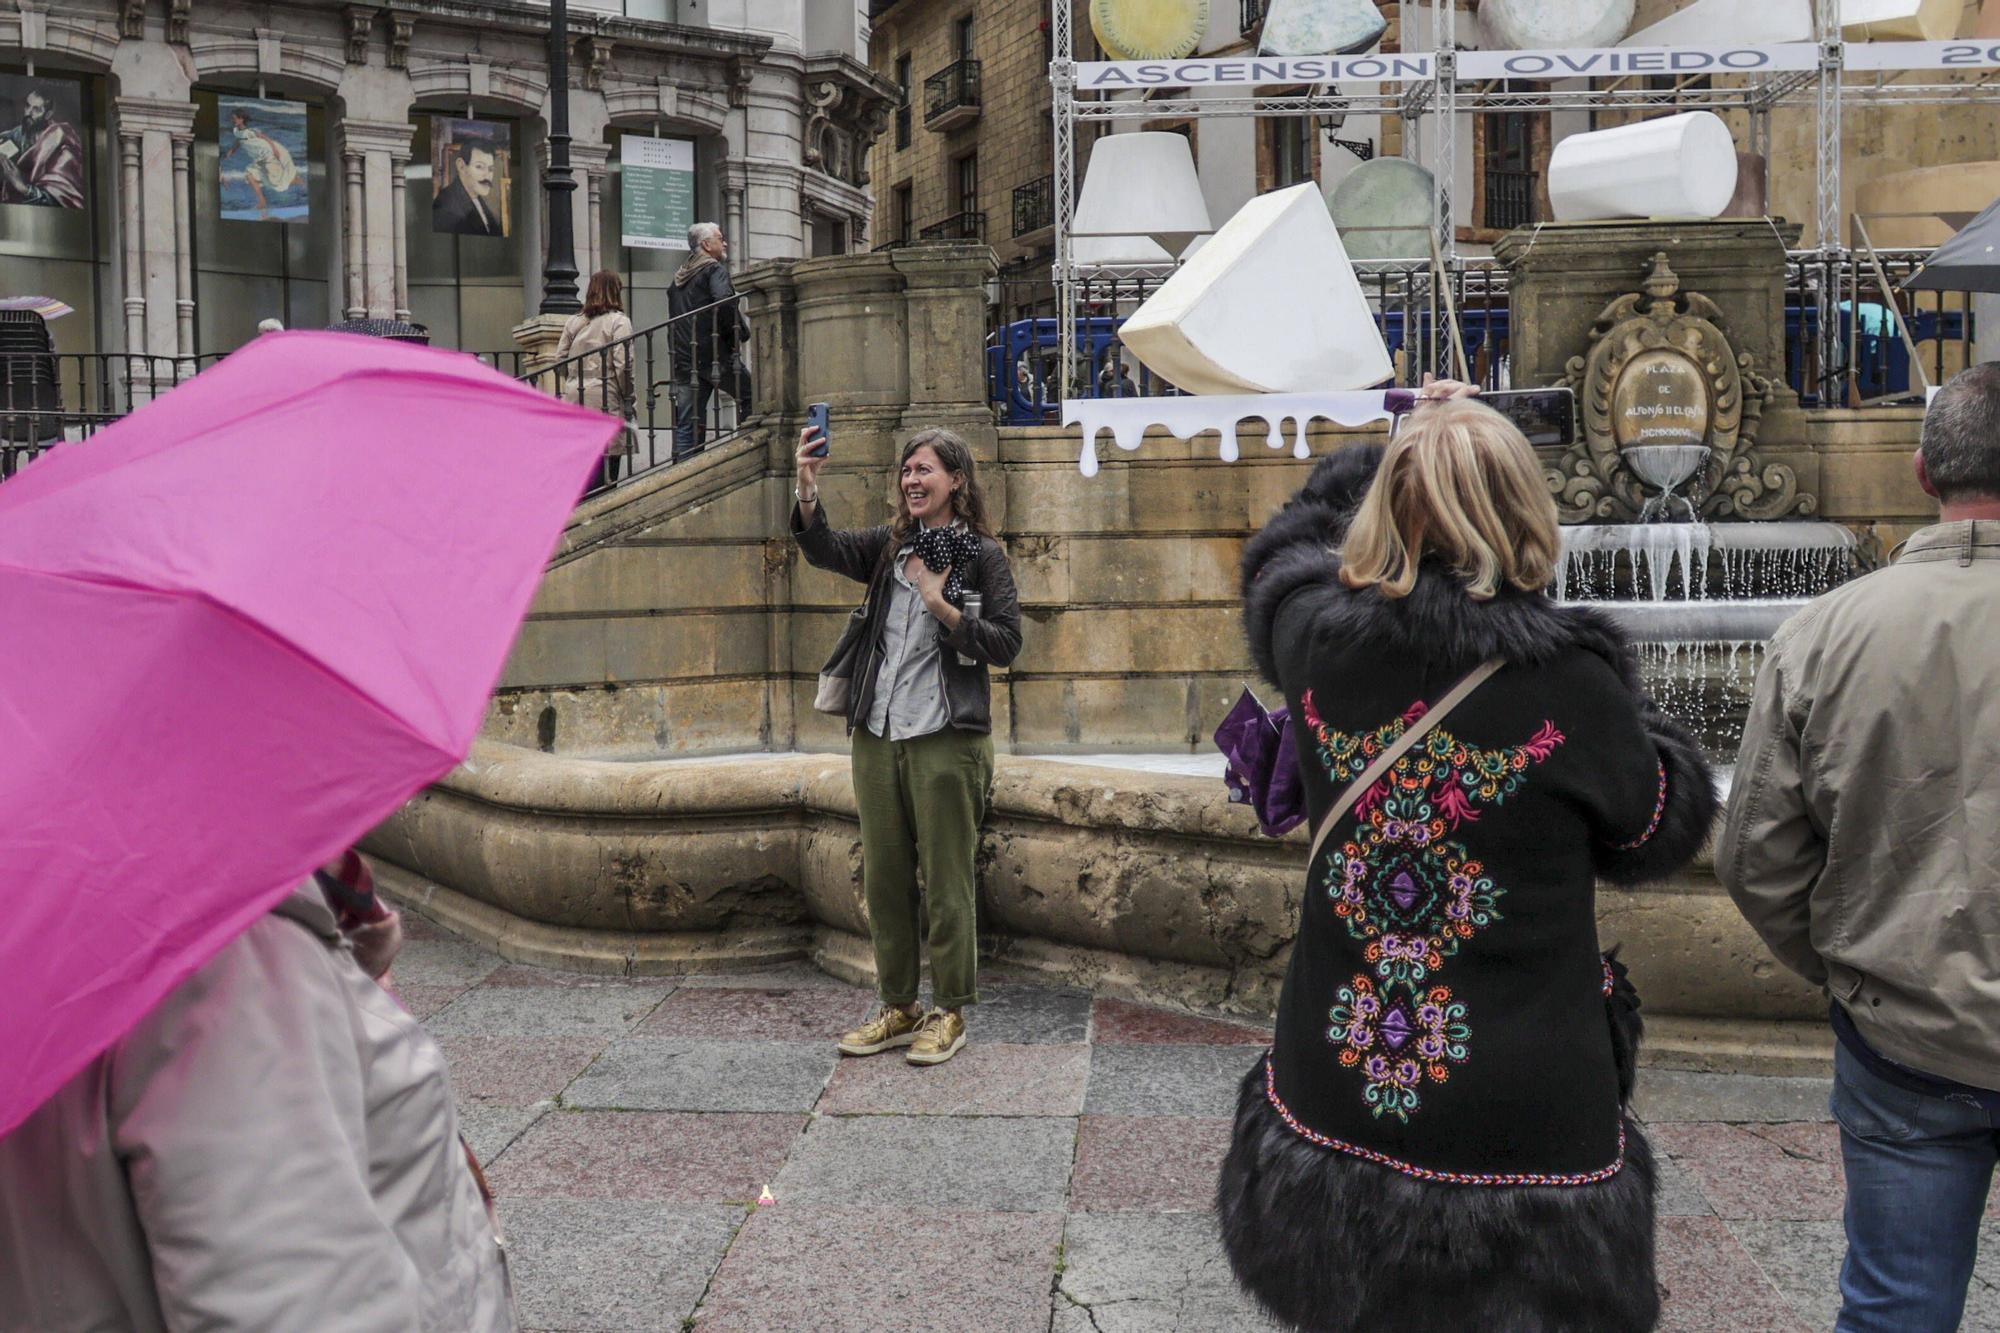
[909, 686]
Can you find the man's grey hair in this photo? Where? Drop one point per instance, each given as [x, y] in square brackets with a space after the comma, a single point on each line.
[700, 232]
[1962, 435]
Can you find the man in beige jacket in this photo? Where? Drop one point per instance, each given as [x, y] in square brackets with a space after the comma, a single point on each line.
[1863, 843]
[273, 1148]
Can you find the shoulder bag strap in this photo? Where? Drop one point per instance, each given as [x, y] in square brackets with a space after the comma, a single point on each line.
[1387, 759]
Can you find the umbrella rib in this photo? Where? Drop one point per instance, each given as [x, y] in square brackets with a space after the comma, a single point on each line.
[254, 627]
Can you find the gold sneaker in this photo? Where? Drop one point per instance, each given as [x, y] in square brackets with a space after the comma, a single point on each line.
[890, 1027]
[939, 1037]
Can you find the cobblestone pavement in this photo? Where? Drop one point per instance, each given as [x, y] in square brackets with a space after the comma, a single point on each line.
[1056, 1177]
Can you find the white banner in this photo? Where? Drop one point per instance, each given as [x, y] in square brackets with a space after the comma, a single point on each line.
[1619, 61]
[1922, 55]
[1252, 71]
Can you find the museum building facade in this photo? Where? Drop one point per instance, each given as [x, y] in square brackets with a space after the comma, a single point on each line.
[179, 171]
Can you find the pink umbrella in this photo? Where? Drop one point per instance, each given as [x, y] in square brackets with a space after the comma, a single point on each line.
[238, 629]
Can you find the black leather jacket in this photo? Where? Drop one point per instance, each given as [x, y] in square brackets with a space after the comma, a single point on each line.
[991, 639]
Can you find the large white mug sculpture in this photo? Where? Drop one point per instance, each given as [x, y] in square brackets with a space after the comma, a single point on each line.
[1904, 20]
[1676, 167]
[1550, 25]
[1138, 186]
[1704, 22]
[1269, 305]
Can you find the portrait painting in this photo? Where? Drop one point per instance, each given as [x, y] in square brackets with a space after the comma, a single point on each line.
[471, 176]
[41, 142]
[262, 160]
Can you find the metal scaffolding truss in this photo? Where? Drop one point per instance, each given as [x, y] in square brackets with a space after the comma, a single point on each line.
[1430, 108]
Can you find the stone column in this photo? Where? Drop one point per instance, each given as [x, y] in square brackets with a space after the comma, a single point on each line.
[183, 147]
[154, 135]
[399, 167]
[354, 212]
[377, 241]
[592, 163]
[944, 304]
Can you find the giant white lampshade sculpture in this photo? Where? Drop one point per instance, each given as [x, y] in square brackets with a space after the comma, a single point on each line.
[1266, 320]
[1549, 25]
[1676, 167]
[1139, 191]
[1744, 24]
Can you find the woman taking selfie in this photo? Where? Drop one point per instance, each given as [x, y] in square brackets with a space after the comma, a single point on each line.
[940, 609]
[1438, 1138]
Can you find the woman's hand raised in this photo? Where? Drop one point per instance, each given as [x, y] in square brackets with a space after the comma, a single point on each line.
[808, 463]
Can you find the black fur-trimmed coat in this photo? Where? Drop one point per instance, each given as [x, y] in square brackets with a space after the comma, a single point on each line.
[1438, 1138]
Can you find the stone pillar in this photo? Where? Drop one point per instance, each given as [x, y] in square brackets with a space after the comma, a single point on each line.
[399, 168]
[154, 137]
[735, 185]
[944, 301]
[377, 242]
[183, 147]
[353, 211]
[592, 164]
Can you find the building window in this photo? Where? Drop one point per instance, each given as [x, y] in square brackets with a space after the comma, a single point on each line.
[1291, 150]
[1510, 181]
[962, 38]
[965, 180]
[829, 236]
[903, 107]
[906, 214]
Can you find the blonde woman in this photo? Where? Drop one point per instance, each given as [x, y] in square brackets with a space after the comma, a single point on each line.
[1438, 1138]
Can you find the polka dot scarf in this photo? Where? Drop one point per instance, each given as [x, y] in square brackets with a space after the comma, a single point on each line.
[955, 548]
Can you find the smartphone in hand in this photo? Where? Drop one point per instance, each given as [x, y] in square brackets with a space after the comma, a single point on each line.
[1545, 416]
[816, 419]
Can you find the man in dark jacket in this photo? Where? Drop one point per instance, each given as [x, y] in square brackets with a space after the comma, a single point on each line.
[707, 334]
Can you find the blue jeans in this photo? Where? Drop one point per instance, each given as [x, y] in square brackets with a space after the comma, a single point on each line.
[1917, 1169]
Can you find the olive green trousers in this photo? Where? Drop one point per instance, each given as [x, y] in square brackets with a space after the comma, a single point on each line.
[921, 803]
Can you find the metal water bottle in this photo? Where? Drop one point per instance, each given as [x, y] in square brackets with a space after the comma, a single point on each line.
[973, 603]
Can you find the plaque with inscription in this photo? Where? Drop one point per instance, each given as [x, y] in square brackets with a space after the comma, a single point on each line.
[1661, 397]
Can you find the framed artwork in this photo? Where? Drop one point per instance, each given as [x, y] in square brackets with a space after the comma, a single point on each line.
[41, 142]
[472, 169]
[264, 160]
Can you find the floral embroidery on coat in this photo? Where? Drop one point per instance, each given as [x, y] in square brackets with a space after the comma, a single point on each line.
[1413, 894]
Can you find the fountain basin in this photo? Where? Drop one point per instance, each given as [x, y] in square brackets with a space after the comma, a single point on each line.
[1748, 620]
[1781, 560]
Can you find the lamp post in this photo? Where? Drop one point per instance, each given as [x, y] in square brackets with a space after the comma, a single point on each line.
[559, 272]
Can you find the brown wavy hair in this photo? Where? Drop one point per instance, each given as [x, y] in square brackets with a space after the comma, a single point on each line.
[606, 294]
[968, 501]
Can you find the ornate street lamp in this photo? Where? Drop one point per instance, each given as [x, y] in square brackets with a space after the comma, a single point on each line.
[559, 271]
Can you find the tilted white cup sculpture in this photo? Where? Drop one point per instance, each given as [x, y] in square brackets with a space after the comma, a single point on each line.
[1269, 305]
[1676, 167]
[1138, 186]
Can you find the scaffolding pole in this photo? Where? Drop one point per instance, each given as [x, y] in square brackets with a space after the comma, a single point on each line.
[1062, 77]
[1827, 128]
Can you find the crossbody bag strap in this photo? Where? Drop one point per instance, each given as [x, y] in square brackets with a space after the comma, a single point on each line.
[1400, 747]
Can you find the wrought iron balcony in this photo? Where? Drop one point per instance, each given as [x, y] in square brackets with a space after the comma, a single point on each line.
[957, 227]
[1510, 198]
[1252, 15]
[951, 96]
[903, 125]
[1034, 206]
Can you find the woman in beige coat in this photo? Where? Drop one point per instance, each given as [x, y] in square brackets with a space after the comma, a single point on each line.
[274, 1147]
[602, 378]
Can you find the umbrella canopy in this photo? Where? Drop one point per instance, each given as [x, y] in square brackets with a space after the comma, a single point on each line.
[1968, 262]
[237, 629]
[45, 306]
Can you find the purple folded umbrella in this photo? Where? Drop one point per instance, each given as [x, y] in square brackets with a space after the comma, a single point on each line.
[1263, 761]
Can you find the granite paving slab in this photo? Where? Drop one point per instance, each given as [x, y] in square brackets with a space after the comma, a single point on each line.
[1166, 1080]
[982, 1163]
[442, 960]
[678, 1074]
[490, 1126]
[424, 1000]
[727, 1013]
[1665, 1095]
[780, 976]
[1018, 1014]
[982, 1079]
[520, 974]
[613, 1266]
[1802, 1260]
[1713, 1285]
[666, 1156]
[515, 1071]
[1761, 1172]
[1149, 1273]
[1153, 1164]
[1676, 1194]
[855, 1270]
[1123, 1023]
[555, 1011]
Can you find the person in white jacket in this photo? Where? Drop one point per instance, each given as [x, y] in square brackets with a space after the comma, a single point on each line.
[273, 1148]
